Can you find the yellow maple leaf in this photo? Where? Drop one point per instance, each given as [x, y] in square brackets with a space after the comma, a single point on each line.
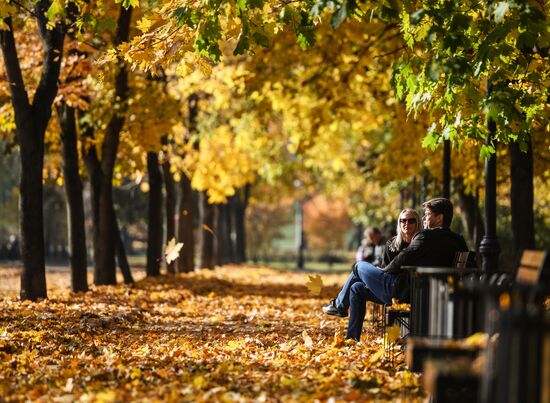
[314, 284]
[144, 24]
[172, 250]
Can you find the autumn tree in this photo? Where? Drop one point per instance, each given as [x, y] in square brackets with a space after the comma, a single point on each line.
[31, 116]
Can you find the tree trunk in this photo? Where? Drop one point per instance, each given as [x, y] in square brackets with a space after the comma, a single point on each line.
[229, 225]
[240, 231]
[31, 121]
[93, 166]
[105, 253]
[154, 227]
[121, 253]
[207, 231]
[471, 215]
[186, 260]
[170, 208]
[91, 161]
[75, 203]
[221, 238]
[521, 198]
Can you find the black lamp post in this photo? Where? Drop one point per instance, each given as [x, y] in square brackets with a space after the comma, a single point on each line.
[489, 246]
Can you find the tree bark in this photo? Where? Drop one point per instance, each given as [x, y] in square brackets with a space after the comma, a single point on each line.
[521, 198]
[240, 229]
[229, 226]
[170, 208]
[105, 253]
[471, 214]
[120, 250]
[154, 227]
[221, 240]
[31, 121]
[75, 203]
[207, 231]
[93, 166]
[186, 260]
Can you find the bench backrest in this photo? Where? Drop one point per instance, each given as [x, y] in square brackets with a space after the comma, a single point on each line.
[530, 267]
[465, 259]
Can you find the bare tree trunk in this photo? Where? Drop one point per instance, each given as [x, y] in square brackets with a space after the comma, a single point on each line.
[75, 202]
[154, 227]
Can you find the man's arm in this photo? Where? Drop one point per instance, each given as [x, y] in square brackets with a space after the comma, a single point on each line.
[409, 255]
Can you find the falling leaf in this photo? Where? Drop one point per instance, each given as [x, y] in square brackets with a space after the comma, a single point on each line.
[172, 250]
[208, 229]
[314, 284]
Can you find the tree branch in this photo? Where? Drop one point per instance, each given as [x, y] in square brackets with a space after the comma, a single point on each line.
[52, 40]
[19, 96]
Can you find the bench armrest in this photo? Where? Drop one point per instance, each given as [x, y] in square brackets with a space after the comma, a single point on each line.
[436, 270]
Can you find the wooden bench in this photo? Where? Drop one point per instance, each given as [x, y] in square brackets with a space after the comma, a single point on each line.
[433, 295]
[516, 369]
[429, 290]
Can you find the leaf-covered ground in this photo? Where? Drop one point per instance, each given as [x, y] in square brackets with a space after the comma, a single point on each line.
[231, 334]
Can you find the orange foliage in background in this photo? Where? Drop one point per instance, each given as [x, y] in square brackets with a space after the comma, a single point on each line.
[234, 334]
[326, 223]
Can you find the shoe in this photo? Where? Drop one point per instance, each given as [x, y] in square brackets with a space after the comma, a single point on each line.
[331, 309]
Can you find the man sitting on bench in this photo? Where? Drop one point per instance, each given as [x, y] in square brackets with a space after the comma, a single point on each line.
[436, 245]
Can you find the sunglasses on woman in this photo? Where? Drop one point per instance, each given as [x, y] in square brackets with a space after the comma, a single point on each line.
[409, 221]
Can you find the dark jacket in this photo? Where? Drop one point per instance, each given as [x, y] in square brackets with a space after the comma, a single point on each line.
[430, 247]
[389, 254]
[368, 253]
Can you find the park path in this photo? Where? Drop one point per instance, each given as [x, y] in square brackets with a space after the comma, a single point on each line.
[231, 334]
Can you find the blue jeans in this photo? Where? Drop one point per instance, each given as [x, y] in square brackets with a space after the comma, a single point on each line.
[365, 283]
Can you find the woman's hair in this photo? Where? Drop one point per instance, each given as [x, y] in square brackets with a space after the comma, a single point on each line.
[396, 242]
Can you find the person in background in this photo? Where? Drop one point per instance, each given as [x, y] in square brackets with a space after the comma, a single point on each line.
[408, 224]
[371, 247]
